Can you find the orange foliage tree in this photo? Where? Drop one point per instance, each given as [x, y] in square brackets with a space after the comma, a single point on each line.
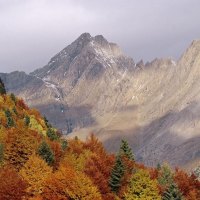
[20, 144]
[66, 183]
[35, 172]
[188, 185]
[12, 186]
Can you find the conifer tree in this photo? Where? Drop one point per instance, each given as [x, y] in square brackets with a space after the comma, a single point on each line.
[2, 87]
[12, 96]
[51, 134]
[10, 121]
[166, 177]
[46, 153]
[117, 175]
[27, 120]
[172, 193]
[126, 150]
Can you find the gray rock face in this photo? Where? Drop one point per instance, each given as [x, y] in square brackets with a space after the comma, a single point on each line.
[91, 86]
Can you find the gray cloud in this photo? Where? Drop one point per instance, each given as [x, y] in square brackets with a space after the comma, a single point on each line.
[32, 31]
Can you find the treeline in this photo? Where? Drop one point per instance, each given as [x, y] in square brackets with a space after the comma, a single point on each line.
[36, 163]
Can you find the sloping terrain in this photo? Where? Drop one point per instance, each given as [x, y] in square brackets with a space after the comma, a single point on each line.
[91, 86]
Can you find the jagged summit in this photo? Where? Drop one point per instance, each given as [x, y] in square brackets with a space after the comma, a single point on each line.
[94, 48]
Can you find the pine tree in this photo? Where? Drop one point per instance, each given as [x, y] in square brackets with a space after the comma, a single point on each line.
[166, 178]
[126, 150]
[12, 96]
[172, 193]
[27, 120]
[10, 121]
[51, 134]
[117, 174]
[2, 87]
[46, 153]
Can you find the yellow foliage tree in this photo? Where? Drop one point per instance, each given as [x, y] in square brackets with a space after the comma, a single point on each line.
[141, 187]
[66, 183]
[35, 172]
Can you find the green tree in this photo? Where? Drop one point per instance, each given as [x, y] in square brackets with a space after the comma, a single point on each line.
[12, 96]
[48, 125]
[64, 144]
[46, 153]
[126, 150]
[172, 193]
[10, 121]
[142, 187]
[166, 177]
[117, 175]
[27, 120]
[51, 134]
[2, 87]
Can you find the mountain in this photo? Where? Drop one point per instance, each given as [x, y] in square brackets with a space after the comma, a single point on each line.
[91, 86]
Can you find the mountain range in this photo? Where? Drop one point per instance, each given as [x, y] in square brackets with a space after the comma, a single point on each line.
[92, 86]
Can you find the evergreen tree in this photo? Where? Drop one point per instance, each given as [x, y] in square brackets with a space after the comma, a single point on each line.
[126, 150]
[10, 121]
[15, 111]
[117, 175]
[12, 96]
[158, 167]
[166, 178]
[64, 144]
[2, 87]
[172, 193]
[46, 153]
[27, 120]
[48, 125]
[51, 134]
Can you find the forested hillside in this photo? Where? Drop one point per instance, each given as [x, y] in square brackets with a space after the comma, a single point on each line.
[36, 163]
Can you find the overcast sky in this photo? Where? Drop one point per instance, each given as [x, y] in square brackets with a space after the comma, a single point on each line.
[32, 31]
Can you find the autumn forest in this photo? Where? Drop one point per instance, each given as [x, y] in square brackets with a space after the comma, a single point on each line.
[38, 163]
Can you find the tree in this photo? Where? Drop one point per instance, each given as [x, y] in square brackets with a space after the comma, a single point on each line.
[165, 177]
[142, 187]
[12, 186]
[66, 183]
[12, 96]
[2, 87]
[117, 175]
[51, 134]
[188, 185]
[46, 153]
[35, 172]
[20, 144]
[172, 193]
[126, 150]
[98, 168]
[10, 121]
[27, 120]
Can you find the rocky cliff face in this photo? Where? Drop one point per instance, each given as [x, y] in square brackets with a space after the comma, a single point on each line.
[91, 86]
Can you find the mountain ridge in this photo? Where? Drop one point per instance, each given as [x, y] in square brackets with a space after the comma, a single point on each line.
[91, 86]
